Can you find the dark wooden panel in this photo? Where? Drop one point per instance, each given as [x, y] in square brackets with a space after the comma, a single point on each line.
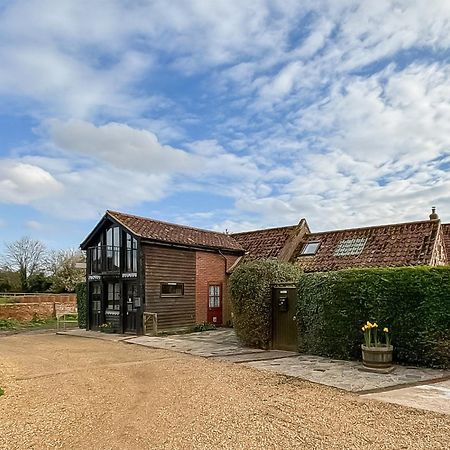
[166, 265]
[284, 322]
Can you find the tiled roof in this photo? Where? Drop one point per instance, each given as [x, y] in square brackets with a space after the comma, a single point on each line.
[264, 243]
[175, 234]
[445, 227]
[404, 244]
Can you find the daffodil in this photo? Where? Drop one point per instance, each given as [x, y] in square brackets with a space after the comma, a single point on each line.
[386, 329]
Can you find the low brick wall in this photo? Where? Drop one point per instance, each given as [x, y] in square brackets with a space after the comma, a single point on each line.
[44, 298]
[24, 312]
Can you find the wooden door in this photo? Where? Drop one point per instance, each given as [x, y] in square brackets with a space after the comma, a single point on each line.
[215, 303]
[284, 320]
[131, 307]
[96, 305]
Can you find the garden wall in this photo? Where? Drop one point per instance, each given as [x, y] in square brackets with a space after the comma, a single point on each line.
[414, 302]
[43, 306]
[41, 298]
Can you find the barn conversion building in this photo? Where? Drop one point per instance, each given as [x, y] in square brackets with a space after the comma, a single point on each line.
[178, 274]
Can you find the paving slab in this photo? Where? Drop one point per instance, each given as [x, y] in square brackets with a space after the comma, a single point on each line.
[78, 332]
[346, 374]
[431, 397]
[260, 356]
[191, 347]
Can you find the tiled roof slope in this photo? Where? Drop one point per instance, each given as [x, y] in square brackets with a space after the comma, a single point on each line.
[406, 244]
[264, 243]
[175, 234]
[445, 227]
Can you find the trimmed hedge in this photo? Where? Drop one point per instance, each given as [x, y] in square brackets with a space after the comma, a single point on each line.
[251, 296]
[82, 306]
[414, 302]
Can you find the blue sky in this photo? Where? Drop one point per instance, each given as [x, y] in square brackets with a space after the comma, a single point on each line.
[225, 115]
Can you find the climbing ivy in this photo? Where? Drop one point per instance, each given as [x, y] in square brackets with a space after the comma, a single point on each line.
[251, 294]
[80, 290]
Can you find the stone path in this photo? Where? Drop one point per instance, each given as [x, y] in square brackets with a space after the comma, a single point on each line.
[346, 374]
[412, 384]
[431, 397]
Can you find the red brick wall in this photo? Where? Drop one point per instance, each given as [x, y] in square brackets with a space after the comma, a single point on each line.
[45, 298]
[210, 268]
[24, 312]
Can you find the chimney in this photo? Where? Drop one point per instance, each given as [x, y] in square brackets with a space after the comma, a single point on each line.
[433, 215]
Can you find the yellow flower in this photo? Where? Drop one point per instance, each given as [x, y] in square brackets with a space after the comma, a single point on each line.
[375, 325]
[386, 329]
[363, 328]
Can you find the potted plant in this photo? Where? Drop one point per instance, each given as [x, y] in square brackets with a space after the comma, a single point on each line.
[106, 328]
[376, 355]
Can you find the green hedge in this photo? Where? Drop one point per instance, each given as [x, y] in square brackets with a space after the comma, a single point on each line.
[251, 294]
[414, 302]
[82, 306]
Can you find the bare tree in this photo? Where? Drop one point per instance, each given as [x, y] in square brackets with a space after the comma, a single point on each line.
[25, 256]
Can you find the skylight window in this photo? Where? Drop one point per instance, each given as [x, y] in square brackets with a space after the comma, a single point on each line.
[310, 248]
[350, 247]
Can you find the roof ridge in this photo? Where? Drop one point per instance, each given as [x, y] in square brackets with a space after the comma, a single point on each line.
[168, 223]
[263, 229]
[377, 226]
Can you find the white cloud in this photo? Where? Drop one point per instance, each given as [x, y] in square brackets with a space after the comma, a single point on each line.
[25, 183]
[119, 145]
[33, 225]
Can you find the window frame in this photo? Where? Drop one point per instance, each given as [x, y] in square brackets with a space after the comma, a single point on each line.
[218, 296]
[131, 253]
[304, 253]
[171, 283]
[116, 297]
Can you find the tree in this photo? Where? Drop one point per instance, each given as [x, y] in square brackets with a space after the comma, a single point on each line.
[62, 265]
[25, 256]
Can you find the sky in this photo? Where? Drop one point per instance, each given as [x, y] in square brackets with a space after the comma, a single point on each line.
[225, 114]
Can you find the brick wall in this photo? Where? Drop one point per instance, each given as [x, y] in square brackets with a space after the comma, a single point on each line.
[210, 268]
[24, 312]
[45, 298]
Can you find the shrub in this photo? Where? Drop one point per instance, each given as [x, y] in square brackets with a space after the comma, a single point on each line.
[414, 302]
[251, 296]
[82, 306]
[204, 326]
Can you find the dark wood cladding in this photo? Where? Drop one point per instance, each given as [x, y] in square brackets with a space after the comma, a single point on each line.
[166, 265]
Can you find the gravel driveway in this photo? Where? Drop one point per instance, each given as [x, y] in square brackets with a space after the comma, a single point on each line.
[74, 393]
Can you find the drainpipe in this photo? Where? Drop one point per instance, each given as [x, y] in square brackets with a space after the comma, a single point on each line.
[225, 259]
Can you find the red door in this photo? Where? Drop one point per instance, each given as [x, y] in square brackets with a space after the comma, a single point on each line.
[215, 304]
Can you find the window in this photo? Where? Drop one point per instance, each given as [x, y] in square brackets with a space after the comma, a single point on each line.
[310, 248]
[131, 254]
[113, 248]
[214, 296]
[96, 297]
[172, 289]
[350, 247]
[113, 296]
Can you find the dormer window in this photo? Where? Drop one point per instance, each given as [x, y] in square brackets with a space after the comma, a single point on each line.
[310, 248]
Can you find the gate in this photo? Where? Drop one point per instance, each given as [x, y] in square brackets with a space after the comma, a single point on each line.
[284, 320]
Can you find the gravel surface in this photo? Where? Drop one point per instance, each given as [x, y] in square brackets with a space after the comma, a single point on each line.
[75, 393]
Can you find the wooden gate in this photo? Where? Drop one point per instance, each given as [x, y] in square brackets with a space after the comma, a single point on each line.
[284, 320]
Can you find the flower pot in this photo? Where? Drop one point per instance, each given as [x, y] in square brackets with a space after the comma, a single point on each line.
[377, 357]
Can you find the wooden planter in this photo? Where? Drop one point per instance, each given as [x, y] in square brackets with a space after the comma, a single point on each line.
[377, 357]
